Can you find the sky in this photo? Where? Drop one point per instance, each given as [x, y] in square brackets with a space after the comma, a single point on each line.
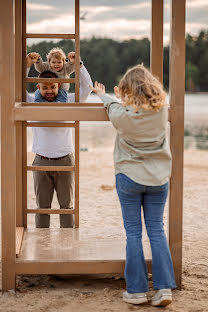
[116, 19]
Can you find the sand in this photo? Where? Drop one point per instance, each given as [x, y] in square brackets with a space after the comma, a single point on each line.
[99, 208]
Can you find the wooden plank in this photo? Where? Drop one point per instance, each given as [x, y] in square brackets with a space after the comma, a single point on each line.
[24, 172]
[19, 182]
[77, 50]
[18, 97]
[8, 150]
[79, 251]
[86, 111]
[75, 267]
[50, 124]
[49, 80]
[50, 168]
[52, 36]
[19, 238]
[77, 154]
[59, 104]
[51, 211]
[156, 59]
[24, 50]
[61, 113]
[177, 87]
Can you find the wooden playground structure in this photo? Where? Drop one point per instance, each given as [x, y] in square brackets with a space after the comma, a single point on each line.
[66, 252]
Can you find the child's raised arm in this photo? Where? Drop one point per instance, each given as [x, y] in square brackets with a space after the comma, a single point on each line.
[70, 65]
[41, 66]
[31, 58]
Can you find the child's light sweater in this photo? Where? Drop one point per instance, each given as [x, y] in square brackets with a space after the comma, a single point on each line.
[67, 69]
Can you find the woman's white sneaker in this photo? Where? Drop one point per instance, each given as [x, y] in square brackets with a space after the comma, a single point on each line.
[136, 298]
[162, 298]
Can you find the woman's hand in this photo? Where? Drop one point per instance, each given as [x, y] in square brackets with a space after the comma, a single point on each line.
[98, 88]
[116, 92]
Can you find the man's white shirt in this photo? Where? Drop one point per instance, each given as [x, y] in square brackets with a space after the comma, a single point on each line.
[57, 142]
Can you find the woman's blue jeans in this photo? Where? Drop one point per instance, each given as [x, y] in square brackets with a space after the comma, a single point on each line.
[132, 197]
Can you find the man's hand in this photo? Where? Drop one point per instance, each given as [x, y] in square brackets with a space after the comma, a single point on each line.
[32, 58]
[116, 92]
[98, 88]
[71, 57]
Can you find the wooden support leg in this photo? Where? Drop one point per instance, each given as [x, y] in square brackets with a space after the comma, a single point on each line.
[8, 151]
[177, 87]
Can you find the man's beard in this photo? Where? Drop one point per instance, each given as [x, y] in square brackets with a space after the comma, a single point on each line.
[50, 99]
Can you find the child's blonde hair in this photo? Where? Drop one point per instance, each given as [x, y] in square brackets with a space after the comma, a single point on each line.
[57, 53]
[140, 89]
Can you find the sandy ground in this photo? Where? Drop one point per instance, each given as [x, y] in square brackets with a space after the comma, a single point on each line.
[99, 208]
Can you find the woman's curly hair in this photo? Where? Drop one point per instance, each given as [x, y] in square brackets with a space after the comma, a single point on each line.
[140, 89]
[57, 53]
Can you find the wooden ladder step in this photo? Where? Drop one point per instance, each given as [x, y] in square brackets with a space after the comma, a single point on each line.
[55, 36]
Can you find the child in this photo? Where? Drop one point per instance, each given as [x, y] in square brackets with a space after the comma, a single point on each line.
[56, 62]
[142, 161]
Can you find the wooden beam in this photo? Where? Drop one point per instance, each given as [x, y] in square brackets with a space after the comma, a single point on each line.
[24, 172]
[61, 113]
[75, 267]
[8, 150]
[77, 157]
[177, 87]
[156, 59]
[50, 124]
[52, 36]
[59, 104]
[49, 80]
[51, 211]
[24, 49]
[50, 168]
[18, 97]
[77, 50]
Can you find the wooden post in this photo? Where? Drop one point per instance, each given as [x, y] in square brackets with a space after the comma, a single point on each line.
[177, 87]
[8, 151]
[18, 98]
[24, 50]
[77, 50]
[77, 151]
[156, 59]
[77, 125]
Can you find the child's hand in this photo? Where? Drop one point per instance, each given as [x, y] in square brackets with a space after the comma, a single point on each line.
[116, 92]
[71, 57]
[98, 88]
[32, 58]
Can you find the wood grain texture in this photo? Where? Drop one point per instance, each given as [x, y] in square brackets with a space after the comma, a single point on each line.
[19, 238]
[177, 88]
[50, 251]
[156, 59]
[52, 36]
[8, 150]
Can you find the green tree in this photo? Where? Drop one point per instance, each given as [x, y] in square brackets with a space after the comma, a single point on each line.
[192, 77]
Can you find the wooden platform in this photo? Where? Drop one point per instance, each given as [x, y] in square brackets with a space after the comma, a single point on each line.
[70, 251]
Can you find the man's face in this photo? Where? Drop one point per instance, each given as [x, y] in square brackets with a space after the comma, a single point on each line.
[49, 91]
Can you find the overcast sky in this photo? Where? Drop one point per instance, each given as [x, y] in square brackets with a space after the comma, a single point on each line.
[117, 19]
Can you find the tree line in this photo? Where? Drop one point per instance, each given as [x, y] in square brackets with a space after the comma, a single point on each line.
[107, 60]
